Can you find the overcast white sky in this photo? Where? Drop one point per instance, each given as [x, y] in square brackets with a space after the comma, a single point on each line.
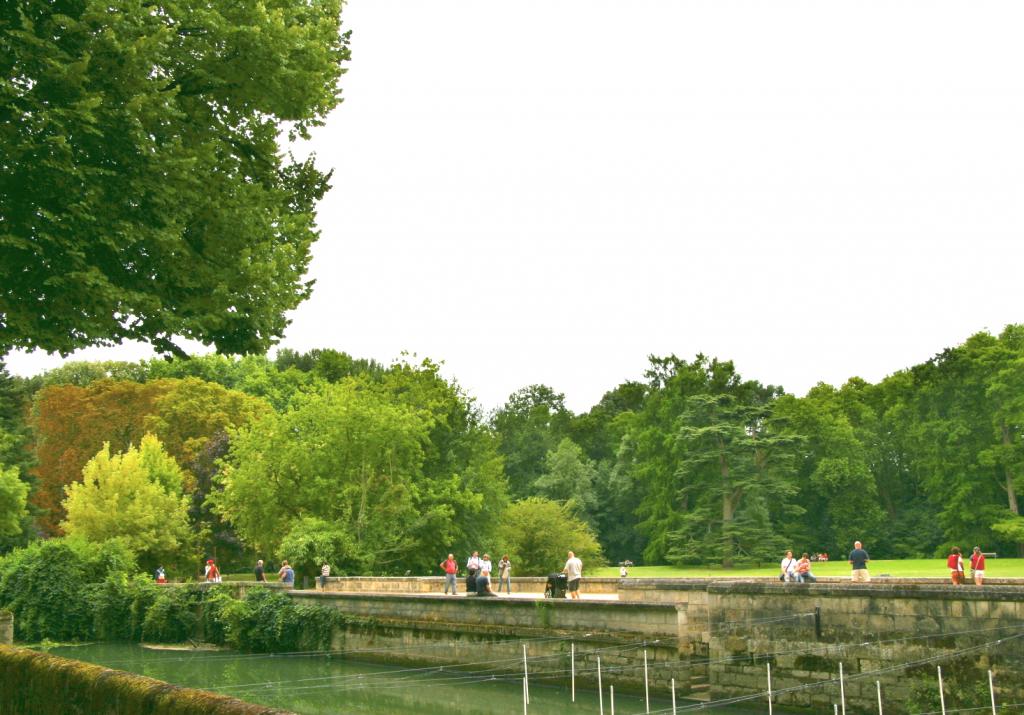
[550, 190]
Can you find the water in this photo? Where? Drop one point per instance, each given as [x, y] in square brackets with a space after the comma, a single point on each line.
[322, 685]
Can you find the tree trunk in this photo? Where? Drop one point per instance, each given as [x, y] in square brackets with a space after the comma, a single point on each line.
[1011, 493]
[728, 511]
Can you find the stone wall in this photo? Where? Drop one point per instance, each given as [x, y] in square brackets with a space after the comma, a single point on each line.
[33, 683]
[435, 584]
[806, 631]
[431, 629]
[723, 633]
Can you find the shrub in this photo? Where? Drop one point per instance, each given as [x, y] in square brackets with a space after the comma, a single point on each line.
[173, 616]
[266, 621]
[48, 585]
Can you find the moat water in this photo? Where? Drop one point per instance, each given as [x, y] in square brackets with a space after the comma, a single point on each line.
[321, 685]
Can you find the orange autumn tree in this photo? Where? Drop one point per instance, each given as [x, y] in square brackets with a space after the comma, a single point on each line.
[71, 424]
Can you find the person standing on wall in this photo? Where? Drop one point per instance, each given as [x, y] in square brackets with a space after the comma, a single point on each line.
[261, 576]
[451, 569]
[978, 566]
[955, 563]
[859, 561]
[505, 574]
[573, 572]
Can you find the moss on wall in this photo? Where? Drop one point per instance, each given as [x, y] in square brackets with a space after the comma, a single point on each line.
[33, 683]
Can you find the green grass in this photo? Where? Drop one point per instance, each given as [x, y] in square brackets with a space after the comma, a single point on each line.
[908, 568]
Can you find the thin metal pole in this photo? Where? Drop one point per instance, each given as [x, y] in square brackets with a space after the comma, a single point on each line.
[526, 676]
[878, 688]
[572, 666]
[611, 697]
[942, 695]
[524, 696]
[673, 696]
[769, 688]
[600, 692]
[842, 689]
[647, 694]
[992, 692]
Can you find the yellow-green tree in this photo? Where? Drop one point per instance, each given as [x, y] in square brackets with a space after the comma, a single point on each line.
[136, 496]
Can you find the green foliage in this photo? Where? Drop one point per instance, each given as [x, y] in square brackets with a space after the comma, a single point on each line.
[266, 621]
[173, 616]
[399, 464]
[569, 478]
[537, 533]
[136, 496]
[54, 587]
[13, 500]
[313, 542]
[145, 194]
[531, 423]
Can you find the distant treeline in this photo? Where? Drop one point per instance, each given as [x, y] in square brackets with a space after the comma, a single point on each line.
[388, 468]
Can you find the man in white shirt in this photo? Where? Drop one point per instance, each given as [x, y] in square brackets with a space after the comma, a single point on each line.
[573, 571]
[473, 565]
[788, 568]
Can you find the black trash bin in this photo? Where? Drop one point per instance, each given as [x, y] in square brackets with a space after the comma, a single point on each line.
[471, 582]
[555, 587]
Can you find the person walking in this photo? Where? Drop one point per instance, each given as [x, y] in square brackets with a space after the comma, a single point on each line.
[787, 567]
[261, 576]
[286, 573]
[161, 575]
[325, 572]
[978, 566]
[505, 574]
[212, 572]
[451, 570]
[859, 561]
[573, 573]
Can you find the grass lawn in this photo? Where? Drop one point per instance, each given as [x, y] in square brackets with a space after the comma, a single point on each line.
[910, 568]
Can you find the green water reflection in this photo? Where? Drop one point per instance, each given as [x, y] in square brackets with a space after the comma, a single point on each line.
[318, 685]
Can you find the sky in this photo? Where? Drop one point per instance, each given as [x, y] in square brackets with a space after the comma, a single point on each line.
[550, 191]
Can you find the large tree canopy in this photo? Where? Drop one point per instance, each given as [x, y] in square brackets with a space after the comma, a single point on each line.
[143, 194]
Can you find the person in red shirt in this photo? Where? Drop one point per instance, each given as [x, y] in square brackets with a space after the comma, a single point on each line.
[450, 568]
[955, 562]
[978, 566]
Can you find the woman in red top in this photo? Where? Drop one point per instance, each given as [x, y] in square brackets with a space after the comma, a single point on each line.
[978, 566]
[955, 562]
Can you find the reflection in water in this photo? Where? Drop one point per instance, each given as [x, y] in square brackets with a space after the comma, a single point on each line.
[318, 684]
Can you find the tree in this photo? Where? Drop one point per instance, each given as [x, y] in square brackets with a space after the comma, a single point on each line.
[72, 423]
[142, 189]
[733, 473]
[569, 479]
[537, 533]
[313, 542]
[343, 455]
[13, 497]
[135, 495]
[531, 423]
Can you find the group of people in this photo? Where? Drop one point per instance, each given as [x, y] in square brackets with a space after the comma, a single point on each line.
[796, 570]
[799, 570]
[955, 563]
[479, 569]
[478, 574]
